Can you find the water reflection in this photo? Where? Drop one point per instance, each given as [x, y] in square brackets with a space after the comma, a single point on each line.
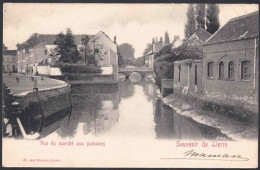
[170, 125]
[129, 110]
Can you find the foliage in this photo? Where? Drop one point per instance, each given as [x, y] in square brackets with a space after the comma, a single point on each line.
[163, 63]
[85, 50]
[120, 58]
[212, 16]
[139, 62]
[66, 48]
[78, 68]
[190, 26]
[166, 38]
[153, 40]
[200, 15]
[4, 47]
[127, 51]
[148, 48]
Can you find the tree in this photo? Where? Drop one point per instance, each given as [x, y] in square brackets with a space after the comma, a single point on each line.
[4, 47]
[153, 41]
[84, 41]
[200, 15]
[127, 51]
[120, 58]
[139, 62]
[66, 48]
[212, 16]
[166, 38]
[190, 26]
[148, 48]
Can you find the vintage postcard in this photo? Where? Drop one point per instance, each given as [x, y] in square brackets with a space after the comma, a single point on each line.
[130, 85]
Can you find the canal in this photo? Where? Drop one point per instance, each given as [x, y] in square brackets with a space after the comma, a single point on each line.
[127, 110]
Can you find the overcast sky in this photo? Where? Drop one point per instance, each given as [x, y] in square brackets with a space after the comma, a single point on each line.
[135, 24]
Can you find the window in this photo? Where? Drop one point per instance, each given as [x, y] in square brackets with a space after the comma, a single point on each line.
[210, 69]
[245, 72]
[45, 52]
[196, 81]
[96, 50]
[221, 70]
[179, 73]
[231, 69]
[8, 59]
[13, 68]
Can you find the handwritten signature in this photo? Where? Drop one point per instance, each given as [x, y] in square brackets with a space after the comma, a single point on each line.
[192, 154]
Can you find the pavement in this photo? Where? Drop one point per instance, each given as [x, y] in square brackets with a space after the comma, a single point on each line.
[26, 84]
[233, 128]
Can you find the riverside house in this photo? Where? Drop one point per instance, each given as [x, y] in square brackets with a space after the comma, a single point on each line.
[187, 79]
[231, 63]
[9, 61]
[227, 75]
[39, 48]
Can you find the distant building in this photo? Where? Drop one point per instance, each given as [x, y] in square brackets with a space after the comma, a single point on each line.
[9, 61]
[198, 37]
[39, 48]
[149, 57]
[187, 79]
[231, 62]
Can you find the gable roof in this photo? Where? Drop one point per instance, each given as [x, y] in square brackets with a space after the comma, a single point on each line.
[9, 52]
[49, 39]
[202, 34]
[242, 27]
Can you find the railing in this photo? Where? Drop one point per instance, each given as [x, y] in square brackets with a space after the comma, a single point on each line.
[136, 69]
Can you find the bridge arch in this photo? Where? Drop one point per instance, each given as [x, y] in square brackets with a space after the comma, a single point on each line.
[148, 77]
[135, 77]
[121, 77]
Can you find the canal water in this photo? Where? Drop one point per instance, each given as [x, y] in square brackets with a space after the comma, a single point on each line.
[127, 110]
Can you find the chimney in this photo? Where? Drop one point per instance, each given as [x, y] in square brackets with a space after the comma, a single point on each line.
[115, 39]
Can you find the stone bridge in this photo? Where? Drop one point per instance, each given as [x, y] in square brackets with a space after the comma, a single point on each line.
[135, 74]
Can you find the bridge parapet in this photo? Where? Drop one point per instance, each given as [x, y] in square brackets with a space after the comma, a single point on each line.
[132, 69]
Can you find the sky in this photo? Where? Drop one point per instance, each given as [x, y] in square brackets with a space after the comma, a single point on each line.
[135, 24]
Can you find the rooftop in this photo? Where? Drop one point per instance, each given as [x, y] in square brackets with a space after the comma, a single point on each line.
[202, 34]
[242, 27]
[48, 39]
[9, 52]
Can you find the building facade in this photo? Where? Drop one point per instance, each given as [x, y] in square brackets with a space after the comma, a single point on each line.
[149, 57]
[9, 61]
[231, 62]
[187, 79]
[39, 49]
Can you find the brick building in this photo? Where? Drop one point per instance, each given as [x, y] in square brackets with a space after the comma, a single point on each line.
[231, 62]
[9, 61]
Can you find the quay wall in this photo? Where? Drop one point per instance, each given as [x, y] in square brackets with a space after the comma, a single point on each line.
[40, 106]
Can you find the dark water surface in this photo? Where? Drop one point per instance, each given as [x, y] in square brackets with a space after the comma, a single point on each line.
[126, 110]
